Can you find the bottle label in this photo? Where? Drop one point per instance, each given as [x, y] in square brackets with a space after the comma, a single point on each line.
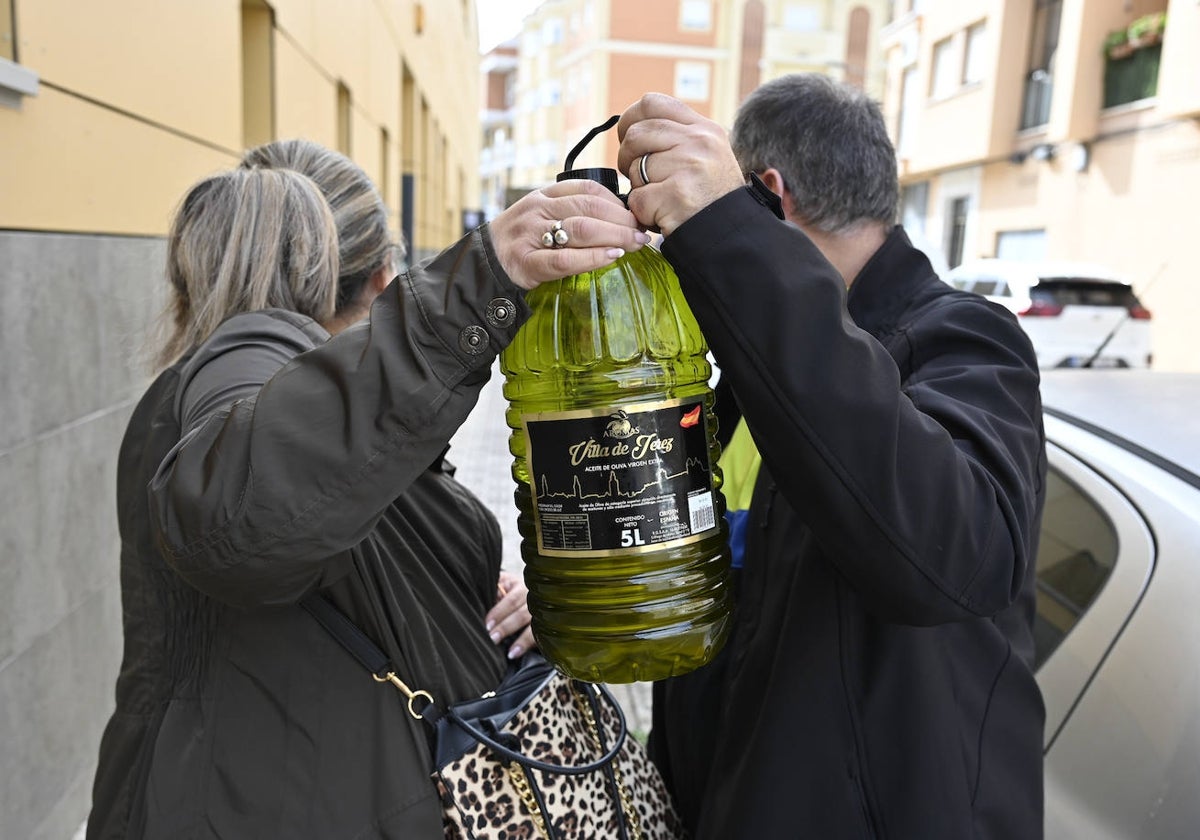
[617, 482]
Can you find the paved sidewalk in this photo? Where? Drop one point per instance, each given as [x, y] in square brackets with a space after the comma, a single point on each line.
[480, 452]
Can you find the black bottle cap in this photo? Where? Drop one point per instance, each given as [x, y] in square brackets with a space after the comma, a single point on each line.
[602, 175]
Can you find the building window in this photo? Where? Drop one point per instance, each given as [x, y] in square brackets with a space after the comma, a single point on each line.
[858, 40]
[8, 31]
[258, 75]
[973, 54]
[942, 81]
[910, 95]
[914, 207]
[691, 81]
[552, 31]
[1077, 551]
[802, 17]
[1039, 81]
[956, 230]
[1026, 245]
[385, 171]
[343, 119]
[695, 15]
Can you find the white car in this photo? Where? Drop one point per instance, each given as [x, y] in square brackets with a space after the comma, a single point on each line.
[1077, 315]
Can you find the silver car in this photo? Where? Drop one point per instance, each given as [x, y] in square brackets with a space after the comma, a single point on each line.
[1118, 615]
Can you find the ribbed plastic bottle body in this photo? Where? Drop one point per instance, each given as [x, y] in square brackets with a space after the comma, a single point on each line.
[623, 528]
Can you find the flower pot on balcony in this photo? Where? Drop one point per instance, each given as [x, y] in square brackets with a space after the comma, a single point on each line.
[1121, 50]
[1149, 39]
[1147, 31]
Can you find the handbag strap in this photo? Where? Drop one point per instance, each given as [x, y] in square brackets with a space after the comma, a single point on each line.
[565, 769]
[369, 655]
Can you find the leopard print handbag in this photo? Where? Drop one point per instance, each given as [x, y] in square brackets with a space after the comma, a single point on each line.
[549, 757]
[541, 756]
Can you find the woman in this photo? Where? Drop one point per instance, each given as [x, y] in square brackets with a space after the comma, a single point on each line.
[281, 461]
[368, 259]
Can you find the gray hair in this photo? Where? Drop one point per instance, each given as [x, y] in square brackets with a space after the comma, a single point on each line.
[364, 243]
[829, 142]
[248, 240]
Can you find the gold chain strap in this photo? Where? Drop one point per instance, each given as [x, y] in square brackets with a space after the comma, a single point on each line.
[517, 774]
[631, 814]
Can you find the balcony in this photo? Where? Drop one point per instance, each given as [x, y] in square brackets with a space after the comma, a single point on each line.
[1132, 77]
[1131, 59]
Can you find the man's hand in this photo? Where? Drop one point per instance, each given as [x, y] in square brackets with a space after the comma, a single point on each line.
[690, 163]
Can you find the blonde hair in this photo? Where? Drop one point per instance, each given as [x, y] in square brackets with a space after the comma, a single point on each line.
[247, 240]
[364, 242]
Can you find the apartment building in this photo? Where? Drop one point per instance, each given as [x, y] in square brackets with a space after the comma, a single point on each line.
[840, 39]
[1064, 129]
[497, 156]
[580, 61]
[108, 113]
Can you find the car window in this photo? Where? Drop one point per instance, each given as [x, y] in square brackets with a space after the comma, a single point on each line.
[1084, 292]
[1077, 550]
[990, 286]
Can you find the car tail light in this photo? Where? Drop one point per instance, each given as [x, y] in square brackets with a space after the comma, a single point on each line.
[1139, 313]
[1040, 308]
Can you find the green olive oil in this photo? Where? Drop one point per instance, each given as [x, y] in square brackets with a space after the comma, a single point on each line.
[615, 461]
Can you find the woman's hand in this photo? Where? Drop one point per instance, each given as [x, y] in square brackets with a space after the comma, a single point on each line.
[511, 615]
[597, 227]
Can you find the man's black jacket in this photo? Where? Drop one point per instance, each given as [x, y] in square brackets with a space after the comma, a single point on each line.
[878, 682]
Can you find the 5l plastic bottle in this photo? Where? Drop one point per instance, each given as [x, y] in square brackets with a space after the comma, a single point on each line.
[615, 459]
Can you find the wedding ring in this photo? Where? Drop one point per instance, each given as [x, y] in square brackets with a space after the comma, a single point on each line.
[642, 169]
[556, 237]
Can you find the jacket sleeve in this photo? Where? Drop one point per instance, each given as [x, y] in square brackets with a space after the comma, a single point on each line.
[923, 494]
[293, 447]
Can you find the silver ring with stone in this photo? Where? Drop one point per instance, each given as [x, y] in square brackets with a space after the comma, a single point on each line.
[642, 169]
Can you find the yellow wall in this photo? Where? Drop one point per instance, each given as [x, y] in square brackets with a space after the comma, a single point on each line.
[177, 64]
[139, 98]
[1178, 85]
[70, 165]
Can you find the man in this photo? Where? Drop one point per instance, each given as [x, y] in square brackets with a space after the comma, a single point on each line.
[878, 681]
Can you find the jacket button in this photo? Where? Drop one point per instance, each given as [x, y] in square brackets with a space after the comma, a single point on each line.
[501, 312]
[473, 340]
